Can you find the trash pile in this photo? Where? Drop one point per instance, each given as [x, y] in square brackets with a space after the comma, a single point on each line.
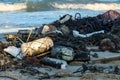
[63, 41]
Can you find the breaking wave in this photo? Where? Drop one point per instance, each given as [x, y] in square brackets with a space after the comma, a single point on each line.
[25, 6]
[12, 7]
[95, 6]
[45, 6]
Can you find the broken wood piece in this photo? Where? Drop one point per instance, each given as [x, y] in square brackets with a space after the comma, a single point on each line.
[43, 54]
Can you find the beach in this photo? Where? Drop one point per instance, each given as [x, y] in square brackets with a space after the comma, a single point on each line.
[25, 14]
[31, 73]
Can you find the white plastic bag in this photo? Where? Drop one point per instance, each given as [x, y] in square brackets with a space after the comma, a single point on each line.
[14, 51]
[77, 34]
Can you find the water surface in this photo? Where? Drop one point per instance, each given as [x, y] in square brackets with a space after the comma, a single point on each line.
[19, 14]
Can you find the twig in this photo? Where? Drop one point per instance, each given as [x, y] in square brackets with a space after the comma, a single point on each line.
[19, 39]
[30, 34]
[43, 54]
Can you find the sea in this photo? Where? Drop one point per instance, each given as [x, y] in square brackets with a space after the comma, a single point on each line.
[25, 14]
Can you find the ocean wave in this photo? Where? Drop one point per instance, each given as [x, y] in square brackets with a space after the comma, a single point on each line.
[26, 6]
[38, 6]
[43, 6]
[95, 6]
[12, 7]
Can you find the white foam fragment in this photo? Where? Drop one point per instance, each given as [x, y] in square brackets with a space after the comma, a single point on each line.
[66, 18]
[76, 34]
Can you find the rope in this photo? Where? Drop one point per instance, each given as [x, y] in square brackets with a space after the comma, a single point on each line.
[77, 17]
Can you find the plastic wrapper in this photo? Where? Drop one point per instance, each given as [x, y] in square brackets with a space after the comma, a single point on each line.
[37, 47]
[14, 51]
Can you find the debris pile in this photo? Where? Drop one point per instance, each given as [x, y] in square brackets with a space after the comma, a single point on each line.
[66, 40]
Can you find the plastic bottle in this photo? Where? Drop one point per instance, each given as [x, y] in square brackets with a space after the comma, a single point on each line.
[57, 63]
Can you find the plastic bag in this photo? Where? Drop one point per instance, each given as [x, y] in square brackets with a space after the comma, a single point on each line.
[37, 46]
[14, 51]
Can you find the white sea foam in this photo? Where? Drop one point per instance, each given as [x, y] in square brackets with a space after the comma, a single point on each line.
[95, 6]
[12, 7]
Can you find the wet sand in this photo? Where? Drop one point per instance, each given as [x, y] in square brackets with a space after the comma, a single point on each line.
[72, 67]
